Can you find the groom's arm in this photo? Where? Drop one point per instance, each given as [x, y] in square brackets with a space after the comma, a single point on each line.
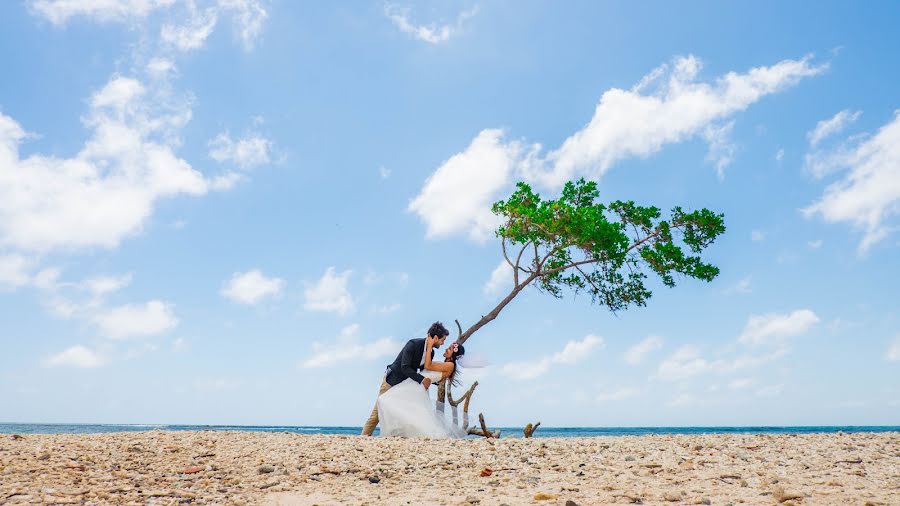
[409, 363]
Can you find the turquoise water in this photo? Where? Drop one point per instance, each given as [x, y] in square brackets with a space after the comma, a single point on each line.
[37, 428]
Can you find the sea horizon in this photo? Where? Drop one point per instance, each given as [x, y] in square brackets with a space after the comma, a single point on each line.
[543, 431]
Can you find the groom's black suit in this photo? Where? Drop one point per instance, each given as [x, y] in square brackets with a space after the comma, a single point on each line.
[408, 363]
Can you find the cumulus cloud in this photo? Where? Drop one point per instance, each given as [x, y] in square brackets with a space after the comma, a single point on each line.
[635, 355]
[501, 278]
[330, 293]
[573, 352]
[686, 362]
[764, 339]
[458, 196]
[184, 29]
[348, 347]
[15, 271]
[248, 18]
[77, 356]
[136, 320]
[108, 190]
[251, 287]
[868, 195]
[776, 328]
[58, 12]
[722, 150]
[742, 286]
[832, 126]
[669, 105]
[193, 33]
[247, 152]
[431, 33]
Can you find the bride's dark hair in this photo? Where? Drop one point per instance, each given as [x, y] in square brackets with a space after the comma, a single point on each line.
[458, 352]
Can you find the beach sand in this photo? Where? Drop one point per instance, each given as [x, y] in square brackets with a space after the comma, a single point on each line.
[211, 467]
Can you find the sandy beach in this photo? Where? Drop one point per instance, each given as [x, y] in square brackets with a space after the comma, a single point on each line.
[209, 467]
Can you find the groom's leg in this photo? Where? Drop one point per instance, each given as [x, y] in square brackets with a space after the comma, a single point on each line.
[369, 427]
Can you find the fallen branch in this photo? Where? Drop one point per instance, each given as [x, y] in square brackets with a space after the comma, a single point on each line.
[529, 429]
[858, 460]
[484, 428]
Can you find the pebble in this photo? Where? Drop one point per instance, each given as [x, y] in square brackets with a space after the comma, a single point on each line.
[132, 468]
[266, 468]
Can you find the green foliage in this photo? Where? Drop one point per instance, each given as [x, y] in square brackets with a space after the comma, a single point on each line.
[579, 243]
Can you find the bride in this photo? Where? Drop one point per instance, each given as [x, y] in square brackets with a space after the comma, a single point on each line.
[406, 409]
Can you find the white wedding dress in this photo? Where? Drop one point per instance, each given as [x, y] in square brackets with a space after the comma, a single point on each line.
[407, 410]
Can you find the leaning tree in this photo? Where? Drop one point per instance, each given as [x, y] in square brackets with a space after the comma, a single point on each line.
[575, 242]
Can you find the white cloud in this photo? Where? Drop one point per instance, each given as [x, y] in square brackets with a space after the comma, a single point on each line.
[192, 34]
[251, 287]
[458, 196]
[330, 293]
[347, 347]
[15, 271]
[868, 195]
[779, 155]
[617, 394]
[248, 152]
[635, 355]
[384, 172]
[757, 235]
[742, 286]
[387, 308]
[185, 29]
[501, 278]
[667, 106]
[832, 126]
[573, 352]
[815, 244]
[106, 191]
[136, 320]
[776, 328]
[721, 150]
[101, 286]
[631, 123]
[58, 12]
[180, 345]
[686, 362]
[893, 351]
[76, 356]
[160, 68]
[682, 399]
[432, 34]
[248, 18]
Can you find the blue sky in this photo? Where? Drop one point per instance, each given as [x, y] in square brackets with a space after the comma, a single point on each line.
[236, 211]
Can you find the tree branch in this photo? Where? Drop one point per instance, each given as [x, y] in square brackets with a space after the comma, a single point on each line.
[503, 245]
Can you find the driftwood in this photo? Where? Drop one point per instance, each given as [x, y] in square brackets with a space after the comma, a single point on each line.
[529, 429]
[472, 431]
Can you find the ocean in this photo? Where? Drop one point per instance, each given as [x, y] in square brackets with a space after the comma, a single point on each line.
[53, 428]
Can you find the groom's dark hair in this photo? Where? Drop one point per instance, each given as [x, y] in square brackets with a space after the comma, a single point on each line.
[438, 330]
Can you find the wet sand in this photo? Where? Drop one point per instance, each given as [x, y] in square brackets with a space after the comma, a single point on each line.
[211, 467]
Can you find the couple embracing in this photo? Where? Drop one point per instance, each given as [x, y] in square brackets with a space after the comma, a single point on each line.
[403, 407]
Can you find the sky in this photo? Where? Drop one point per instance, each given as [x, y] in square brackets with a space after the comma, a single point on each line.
[237, 211]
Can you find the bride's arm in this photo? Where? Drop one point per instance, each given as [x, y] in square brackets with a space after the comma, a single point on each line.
[431, 365]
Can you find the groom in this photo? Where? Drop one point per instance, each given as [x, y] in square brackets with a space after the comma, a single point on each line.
[408, 363]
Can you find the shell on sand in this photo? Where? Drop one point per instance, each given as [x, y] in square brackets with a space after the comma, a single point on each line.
[283, 468]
